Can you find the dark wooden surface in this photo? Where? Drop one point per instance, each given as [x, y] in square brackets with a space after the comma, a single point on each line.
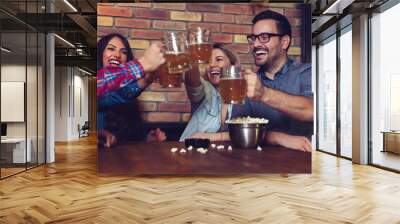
[156, 158]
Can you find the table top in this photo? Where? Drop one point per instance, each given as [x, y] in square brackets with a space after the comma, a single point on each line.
[157, 158]
[391, 132]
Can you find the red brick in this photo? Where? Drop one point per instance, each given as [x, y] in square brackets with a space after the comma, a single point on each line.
[218, 17]
[174, 6]
[146, 106]
[203, 7]
[177, 96]
[151, 13]
[260, 9]
[213, 27]
[163, 117]
[296, 41]
[243, 19]
[132, 23]
[296, 32]
[294, 22]
[169, 25]
[237, 9]
[242, 29]
[240, 48]
[143, 5]
[221, 38]
[292, 12]
[156, 87]
[186, 117]
[102, 31]
[152, 96]
[105, 4]
[114, 11]
[174, 107]
[246, 58]
[147, 34]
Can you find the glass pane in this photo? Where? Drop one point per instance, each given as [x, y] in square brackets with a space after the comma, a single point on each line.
[385, 89]
[327, 97]
[41, 98]
[346, 94]
[31, 97]
[13, 85]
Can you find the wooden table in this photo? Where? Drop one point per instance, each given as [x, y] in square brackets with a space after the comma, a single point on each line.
[156, 158]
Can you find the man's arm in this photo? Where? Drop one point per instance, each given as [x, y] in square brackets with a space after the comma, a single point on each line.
[289, 141]
[298, 107]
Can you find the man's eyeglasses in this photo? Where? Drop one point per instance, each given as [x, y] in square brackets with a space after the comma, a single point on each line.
[262, 37]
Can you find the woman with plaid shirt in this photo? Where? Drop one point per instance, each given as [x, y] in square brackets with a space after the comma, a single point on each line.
[120, 79]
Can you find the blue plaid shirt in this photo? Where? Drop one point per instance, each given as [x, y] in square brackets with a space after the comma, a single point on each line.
[117, 85]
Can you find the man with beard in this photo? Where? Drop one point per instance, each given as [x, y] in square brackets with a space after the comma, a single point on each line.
[280, 90]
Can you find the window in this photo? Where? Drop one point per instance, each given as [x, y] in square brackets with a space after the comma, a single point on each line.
[385, 84]
[346, 93]
[327, 96]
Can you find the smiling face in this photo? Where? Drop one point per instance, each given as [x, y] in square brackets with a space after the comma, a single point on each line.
[266, 54]
[214, 68]
[115, 53]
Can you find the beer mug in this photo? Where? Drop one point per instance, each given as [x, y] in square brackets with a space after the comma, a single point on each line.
[166, 80]
[199, 46]
[176, 54]
[232, 86]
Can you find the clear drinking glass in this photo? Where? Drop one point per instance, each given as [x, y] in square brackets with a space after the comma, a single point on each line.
[167, 80]
[176, 55]
[199, 46]
[232, 86]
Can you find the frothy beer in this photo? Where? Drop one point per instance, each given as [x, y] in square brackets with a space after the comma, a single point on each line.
[177, 62]
[232, 90]
[167, 80]
[200, 53]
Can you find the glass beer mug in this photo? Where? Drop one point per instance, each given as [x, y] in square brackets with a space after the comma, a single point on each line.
[199, 46]
[232, 86]
[176, 54]
[167, 80]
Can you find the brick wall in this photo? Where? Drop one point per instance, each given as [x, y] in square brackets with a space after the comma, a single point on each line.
[229, 23]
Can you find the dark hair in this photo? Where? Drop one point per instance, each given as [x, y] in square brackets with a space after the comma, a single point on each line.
[102, 44]
[231, 56]
[282, 23]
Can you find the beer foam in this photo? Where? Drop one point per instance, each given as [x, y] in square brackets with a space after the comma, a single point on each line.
[174, 52]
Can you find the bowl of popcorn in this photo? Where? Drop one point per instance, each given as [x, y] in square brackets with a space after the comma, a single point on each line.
[247, 132]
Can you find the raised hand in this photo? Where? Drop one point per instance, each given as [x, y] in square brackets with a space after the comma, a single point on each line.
[153, 57]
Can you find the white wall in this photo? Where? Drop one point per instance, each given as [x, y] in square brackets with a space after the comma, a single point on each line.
[71, 94]
[33, 127]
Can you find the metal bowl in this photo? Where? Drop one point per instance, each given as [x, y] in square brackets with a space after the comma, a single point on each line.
[248, 135]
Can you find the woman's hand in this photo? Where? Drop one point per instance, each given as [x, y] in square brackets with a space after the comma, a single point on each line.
[153, 57]
[156, 135]
[110, 139]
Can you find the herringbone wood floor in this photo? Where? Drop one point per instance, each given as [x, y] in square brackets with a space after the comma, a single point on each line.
[70, 191]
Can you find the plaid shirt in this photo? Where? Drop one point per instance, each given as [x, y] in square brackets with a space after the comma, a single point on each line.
[112, 79]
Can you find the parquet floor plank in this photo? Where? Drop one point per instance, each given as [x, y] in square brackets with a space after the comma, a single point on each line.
[70, 191]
